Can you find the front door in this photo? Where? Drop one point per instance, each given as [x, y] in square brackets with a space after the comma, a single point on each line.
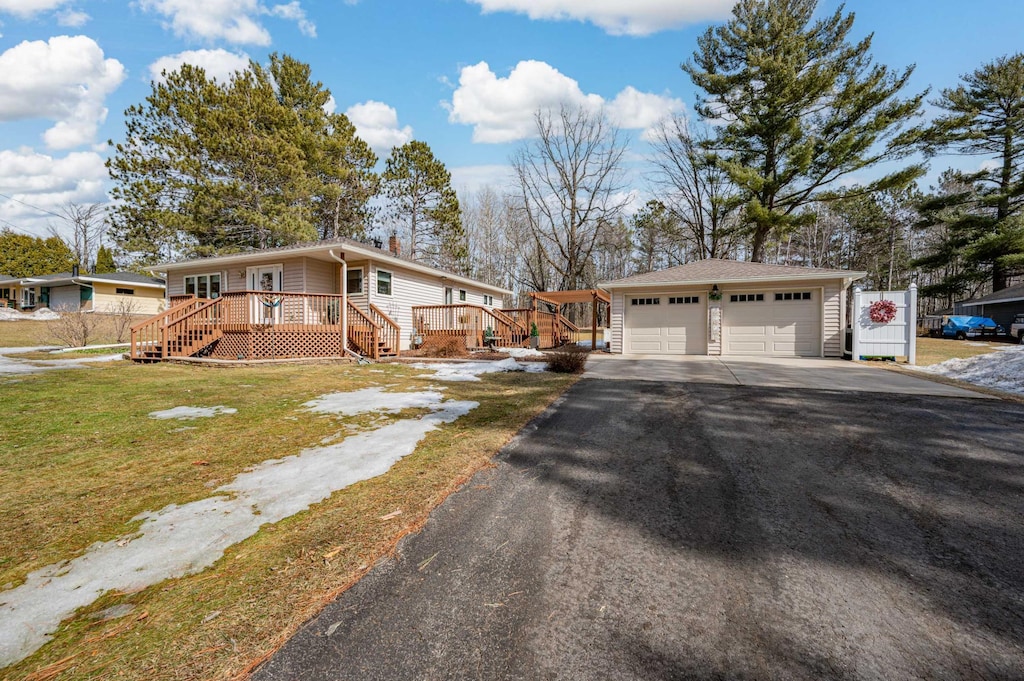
[266, 280]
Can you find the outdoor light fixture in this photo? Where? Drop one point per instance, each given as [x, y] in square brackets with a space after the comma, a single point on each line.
[715, 293]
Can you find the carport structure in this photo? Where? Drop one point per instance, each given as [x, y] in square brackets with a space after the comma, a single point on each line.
[558, 298]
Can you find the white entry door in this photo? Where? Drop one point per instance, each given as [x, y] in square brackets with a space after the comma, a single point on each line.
[266, 280]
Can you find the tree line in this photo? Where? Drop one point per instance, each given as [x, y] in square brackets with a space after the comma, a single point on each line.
[792, 117]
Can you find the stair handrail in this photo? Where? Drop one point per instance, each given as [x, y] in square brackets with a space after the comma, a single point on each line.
[388, 327]
[174, 327]
[148, 329]
[371, 346]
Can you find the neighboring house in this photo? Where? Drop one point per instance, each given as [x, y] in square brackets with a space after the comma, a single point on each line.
[1002, 306]
[102, 293]
[727, 307]
[301, 301]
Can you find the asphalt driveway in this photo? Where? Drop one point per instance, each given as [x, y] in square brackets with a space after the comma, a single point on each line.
[705, 529]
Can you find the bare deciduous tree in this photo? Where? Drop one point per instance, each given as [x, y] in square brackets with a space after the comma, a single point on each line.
[571, 180]
[695, 190]
[84, 228]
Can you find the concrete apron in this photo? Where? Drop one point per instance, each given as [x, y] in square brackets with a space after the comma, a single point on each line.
[777, 372]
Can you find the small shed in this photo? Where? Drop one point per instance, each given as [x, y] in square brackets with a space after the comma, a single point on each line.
[1002, 306]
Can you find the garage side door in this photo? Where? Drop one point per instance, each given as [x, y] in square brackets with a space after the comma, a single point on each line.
[776, 323]
[665, 325]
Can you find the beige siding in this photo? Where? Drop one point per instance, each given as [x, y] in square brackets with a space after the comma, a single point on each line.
[105, 299]
[616, 322]
[833, 313]
[408, 289]
[322, 276]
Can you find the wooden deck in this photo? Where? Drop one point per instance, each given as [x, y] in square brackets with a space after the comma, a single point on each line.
[480, 326]
[248, 325]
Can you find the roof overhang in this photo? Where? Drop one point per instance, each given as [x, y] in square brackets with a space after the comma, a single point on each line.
[847, 278]
[983, 303]
[323, 251]
[562, 297]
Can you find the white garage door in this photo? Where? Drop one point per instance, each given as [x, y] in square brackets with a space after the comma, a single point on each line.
[65, 298]
[666, 325]
[778, 323]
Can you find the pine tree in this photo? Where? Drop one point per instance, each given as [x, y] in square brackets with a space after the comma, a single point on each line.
[800, 108]
[105, 261]
[985, 117]
[423, 202]
[26, 256]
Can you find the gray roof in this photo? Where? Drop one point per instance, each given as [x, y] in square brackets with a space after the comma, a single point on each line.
[1010, 294]
[718, 271]
[112, 277]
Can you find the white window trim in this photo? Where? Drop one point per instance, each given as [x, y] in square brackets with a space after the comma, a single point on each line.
[376, 282]
[362, 282]
[184, 284]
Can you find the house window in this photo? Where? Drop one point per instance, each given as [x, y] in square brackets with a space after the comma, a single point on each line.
[383, 283]
[796, 295]
[488, 300]
[28, 297]
[354, 282]
[124, 291]
[684, 300]
[202, 285]
[746, 298]
[462, 295]
[645, 301]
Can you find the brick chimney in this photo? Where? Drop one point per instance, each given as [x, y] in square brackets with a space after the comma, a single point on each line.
[393, 245]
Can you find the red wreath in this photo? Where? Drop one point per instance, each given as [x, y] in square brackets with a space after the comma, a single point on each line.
[882, 311]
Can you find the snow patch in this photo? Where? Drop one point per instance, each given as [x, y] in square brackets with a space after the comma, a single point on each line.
[521, 352]
[13, 365]
[470, 371]
[1000, 370]
[183, 540]
[372, 399]
[187, 413]
[43, 314]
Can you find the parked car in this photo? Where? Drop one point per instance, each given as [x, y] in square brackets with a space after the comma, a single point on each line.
[1017, 328]
[962, 327]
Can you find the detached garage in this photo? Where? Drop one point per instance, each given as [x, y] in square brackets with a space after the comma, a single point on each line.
[727, 307]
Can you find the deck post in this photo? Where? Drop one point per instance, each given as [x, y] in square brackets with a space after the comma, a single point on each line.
[593, 324]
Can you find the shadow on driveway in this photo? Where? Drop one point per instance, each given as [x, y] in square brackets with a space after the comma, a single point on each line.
[669, 530]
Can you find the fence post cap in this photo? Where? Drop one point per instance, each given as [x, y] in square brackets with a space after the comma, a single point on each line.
[913, 287]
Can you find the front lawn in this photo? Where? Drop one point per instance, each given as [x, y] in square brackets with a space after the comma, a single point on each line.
[935, 350]
[80, 456]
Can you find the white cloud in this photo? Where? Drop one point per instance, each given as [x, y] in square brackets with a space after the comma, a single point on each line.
[27, 8]
[377, 124]
[331, 105]
[65, 80]
[72, 18]
[637, 17]
[502, 109]
[236, 21]
[294, 12]
[219, 64]
[475, 178]
[48, 183]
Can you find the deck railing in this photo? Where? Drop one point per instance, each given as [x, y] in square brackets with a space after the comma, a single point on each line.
[149, 335]
[390, 333]
[283, 310]
[363, 332]
[475, 323]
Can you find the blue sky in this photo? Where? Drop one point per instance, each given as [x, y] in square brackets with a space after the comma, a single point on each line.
[462, 75]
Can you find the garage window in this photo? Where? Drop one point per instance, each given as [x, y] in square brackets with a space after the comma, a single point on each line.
[746, 298]
[645, 301]
[684, 300]
[124, 291]
[796, 295]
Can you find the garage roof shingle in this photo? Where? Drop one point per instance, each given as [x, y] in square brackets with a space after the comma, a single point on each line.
[716, 271]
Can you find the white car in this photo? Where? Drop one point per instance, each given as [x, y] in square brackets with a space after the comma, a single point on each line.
[1017, 328]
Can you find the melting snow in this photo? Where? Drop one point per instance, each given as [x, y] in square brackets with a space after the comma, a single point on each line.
[42, 314]
[14, 365]
[521, 352]
[187, 413]
[1001, 370]
[470, 371]
[183, 540]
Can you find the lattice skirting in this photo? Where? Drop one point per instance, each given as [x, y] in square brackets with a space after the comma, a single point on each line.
[270, 344]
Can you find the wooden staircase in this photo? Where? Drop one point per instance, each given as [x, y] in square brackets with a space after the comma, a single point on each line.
[373, 335]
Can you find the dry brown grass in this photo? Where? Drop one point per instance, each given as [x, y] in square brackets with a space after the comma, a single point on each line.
[29, 333]
[935, 350]
[80, 457]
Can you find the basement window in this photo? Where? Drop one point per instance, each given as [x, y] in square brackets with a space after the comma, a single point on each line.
[684, 300]
[645, 301]
[796, 295]
[746, 298]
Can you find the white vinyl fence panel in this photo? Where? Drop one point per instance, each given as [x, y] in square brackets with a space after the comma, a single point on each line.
[897, 338]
